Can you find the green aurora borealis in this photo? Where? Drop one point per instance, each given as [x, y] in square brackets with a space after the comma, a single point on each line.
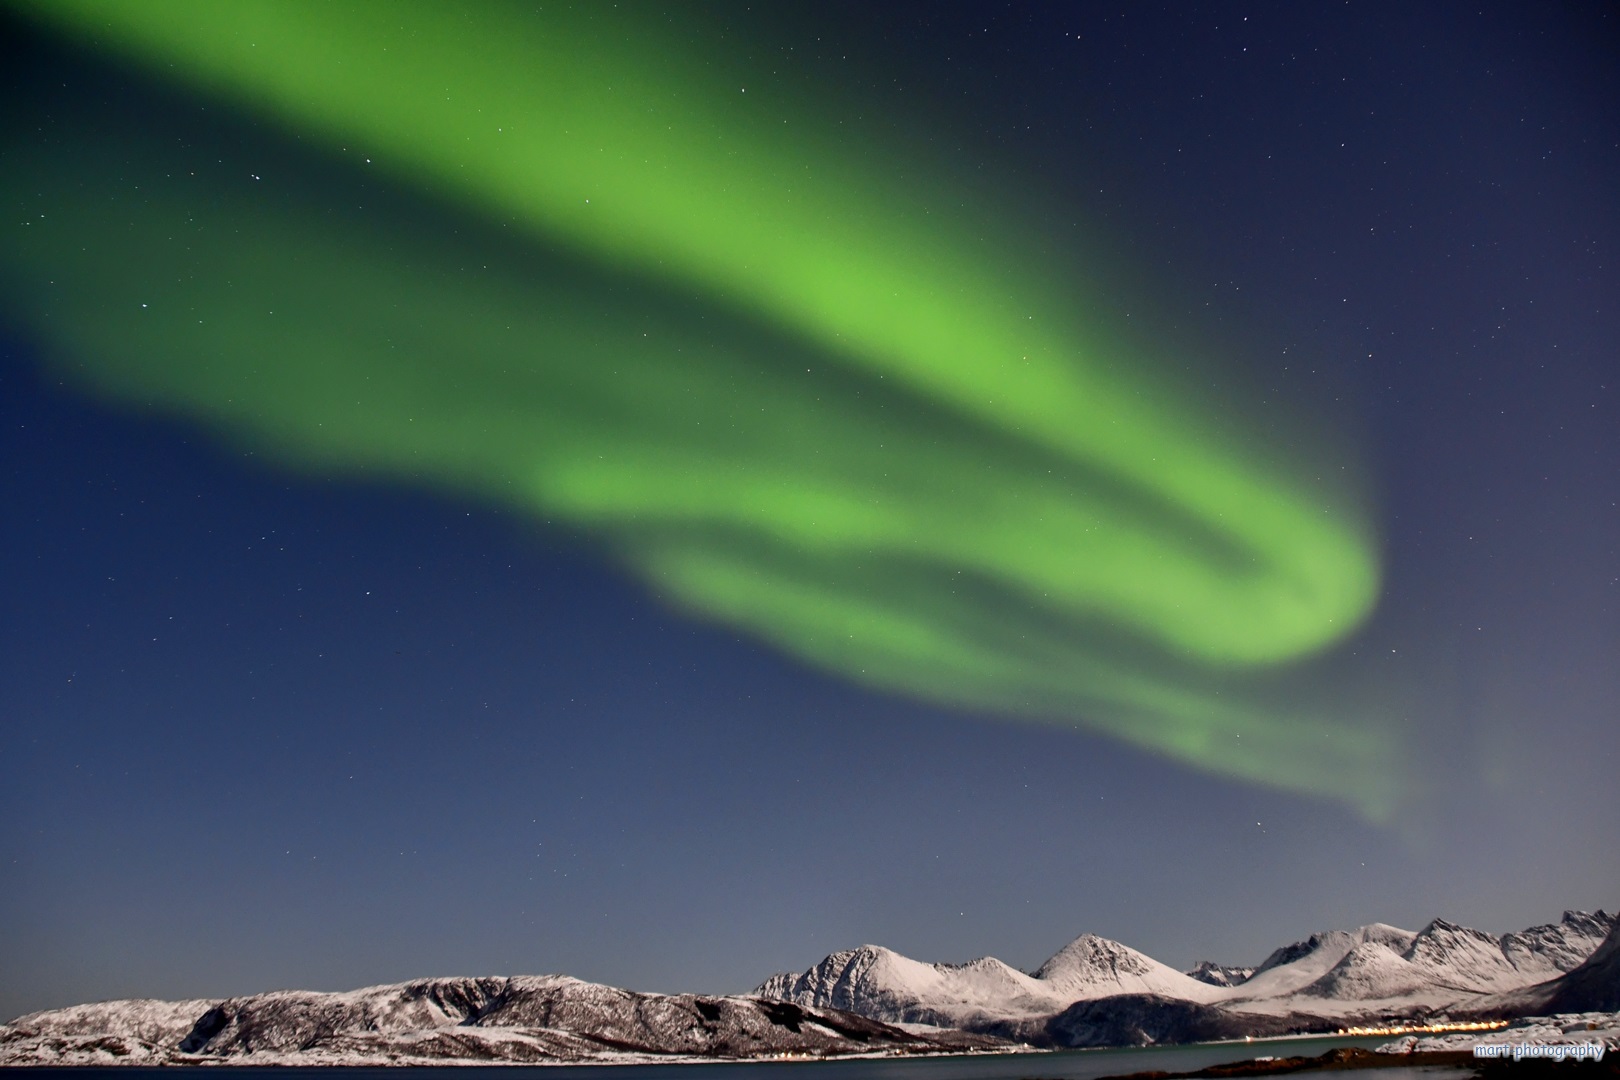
[799, 388]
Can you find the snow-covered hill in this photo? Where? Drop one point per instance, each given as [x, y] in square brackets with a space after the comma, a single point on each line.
[1594, 985]
[1552, 950]
[882, 984]
[1092, 992]
[1591, 986]
[160, 1023]
[534, 1020]
[1382, 968]
[983, 993]
[1333, 978]
[1091, 967]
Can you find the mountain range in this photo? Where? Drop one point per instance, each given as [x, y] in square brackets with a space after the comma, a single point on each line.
[522, 1020]
[870, 1000]
[1099, 992]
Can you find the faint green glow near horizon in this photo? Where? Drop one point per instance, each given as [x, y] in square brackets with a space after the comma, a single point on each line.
[870, 435]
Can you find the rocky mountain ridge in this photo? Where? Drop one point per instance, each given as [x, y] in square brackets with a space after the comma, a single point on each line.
[522, 1020]
[867, 1001]
[1097, 992]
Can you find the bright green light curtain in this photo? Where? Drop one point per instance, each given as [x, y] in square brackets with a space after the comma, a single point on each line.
[798, 393]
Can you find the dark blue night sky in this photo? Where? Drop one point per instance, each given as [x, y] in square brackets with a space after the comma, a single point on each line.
[263, 728]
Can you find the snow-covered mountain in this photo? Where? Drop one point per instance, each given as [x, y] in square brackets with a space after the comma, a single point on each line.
[1381, 968]
[880, 983]
[1558, 947]
[1091, 967]
[158, 1023]
[1591, 986]
[1294, 968]
[534, 1020]
[1092, 992]
[980, 994]
[1095, 989]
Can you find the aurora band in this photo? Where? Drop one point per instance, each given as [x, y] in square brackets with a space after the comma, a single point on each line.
[792, 392]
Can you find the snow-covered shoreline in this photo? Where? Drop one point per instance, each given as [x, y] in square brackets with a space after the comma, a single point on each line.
[1564, 1029]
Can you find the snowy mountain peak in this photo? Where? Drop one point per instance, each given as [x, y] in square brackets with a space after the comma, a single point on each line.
[1461, 957]
[885, 985]
[1385, 934]
[1545, 952]
[1444, 962]
[1089, 954]
[1292, 968]
[1337, 972]
[1093, 991]
[1473, 960]
[1372, 971]
[1094, 967]
[988, 968]
[879, 982]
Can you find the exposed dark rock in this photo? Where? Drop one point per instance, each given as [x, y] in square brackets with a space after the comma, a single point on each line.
[1151, 1020]
[1220, 974]
[208, 1025]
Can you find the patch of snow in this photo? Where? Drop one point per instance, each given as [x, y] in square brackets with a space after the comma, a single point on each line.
[1566, 1029]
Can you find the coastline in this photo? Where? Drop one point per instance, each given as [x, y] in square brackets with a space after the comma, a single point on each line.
[1349, 1058]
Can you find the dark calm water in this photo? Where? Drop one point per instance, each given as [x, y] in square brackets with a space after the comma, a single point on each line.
[1061, 1065]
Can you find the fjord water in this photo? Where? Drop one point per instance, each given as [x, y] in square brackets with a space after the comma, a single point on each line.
[1058, 1065]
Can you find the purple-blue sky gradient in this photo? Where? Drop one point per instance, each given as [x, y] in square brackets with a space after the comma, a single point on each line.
[265, 730]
